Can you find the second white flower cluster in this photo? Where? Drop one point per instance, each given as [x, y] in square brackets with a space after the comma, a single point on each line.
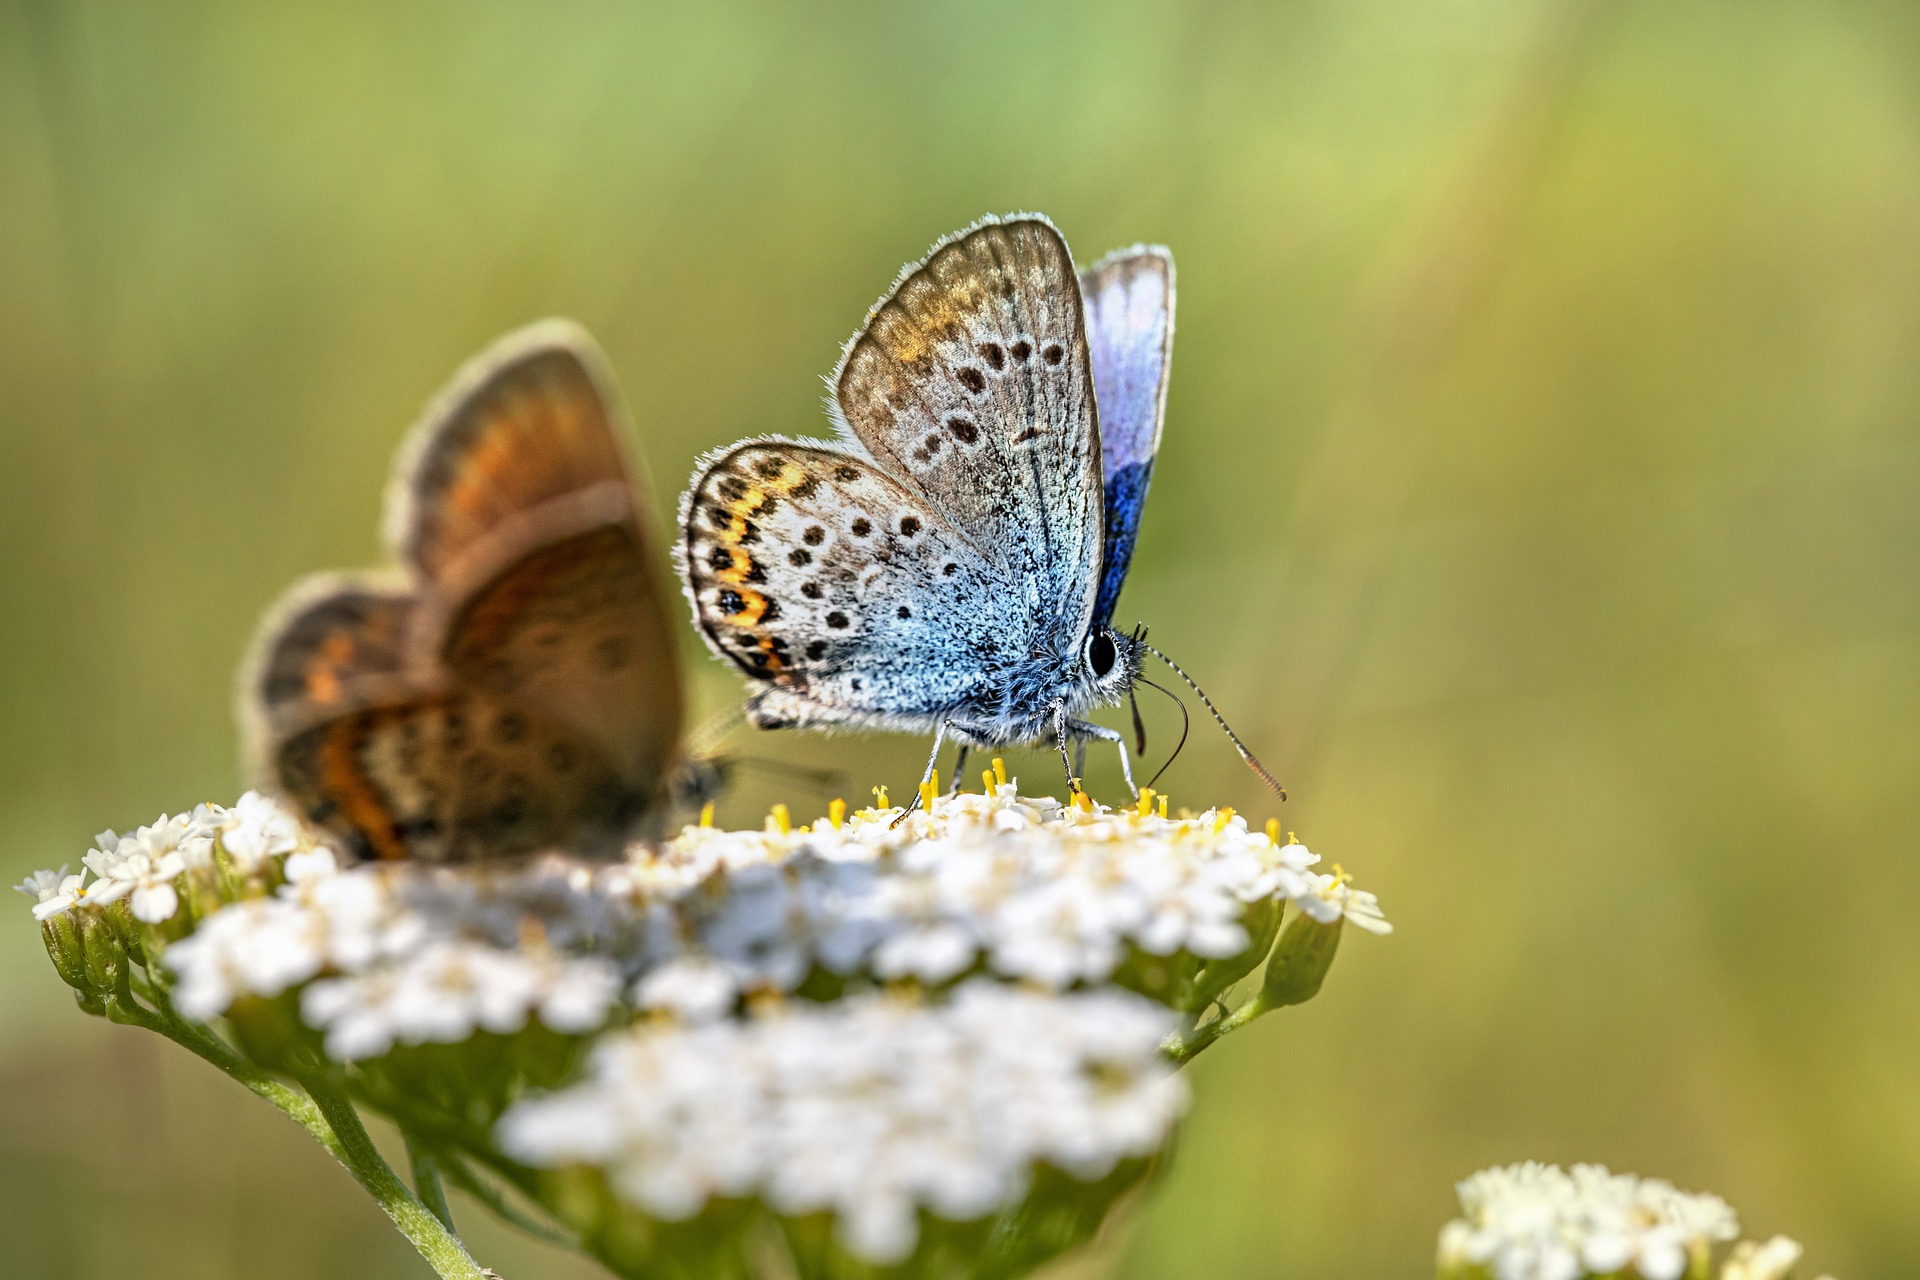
[870, 1107]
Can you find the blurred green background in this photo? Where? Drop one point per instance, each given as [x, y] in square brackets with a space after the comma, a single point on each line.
[1540, 495]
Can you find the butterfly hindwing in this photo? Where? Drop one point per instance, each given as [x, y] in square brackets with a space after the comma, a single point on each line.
[813, 571]
[971, 383]
[336, 643]
[456, 777]
[1129, 301]
[571, 632]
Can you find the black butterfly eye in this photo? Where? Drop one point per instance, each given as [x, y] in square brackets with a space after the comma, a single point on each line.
[1101, 655]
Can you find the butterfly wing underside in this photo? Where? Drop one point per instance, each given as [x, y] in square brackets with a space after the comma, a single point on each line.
[971, 383]
[1129, 300]
[816, 573]
[517, 687]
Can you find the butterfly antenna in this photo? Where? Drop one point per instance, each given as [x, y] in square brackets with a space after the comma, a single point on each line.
[1133, 703]
[1186, 722]
[1253, 763]
[1139, 725]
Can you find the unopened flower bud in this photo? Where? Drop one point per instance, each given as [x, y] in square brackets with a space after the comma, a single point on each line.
[132, 932]
[1299, 962]
[61, 933]
[103, 952]
[1261, 920]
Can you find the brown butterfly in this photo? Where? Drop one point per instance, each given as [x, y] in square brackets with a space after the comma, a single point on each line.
[514, 684]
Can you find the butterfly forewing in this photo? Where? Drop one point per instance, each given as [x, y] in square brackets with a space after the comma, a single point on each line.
[971, 383]
[522, 424]
[812, 570]
[1129, 302]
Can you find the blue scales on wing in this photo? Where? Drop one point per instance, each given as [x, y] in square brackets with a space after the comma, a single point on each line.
[1129, 304]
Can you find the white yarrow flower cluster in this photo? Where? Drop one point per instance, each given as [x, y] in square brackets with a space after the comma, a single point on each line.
[893, 1022]
[148, 866]
[390, 976]
[1540, 1222]
[53, 891]
[253, 830]
[448, 989]
[144, 866]
[1029, 888]
[1018, 886]
[873, 1107]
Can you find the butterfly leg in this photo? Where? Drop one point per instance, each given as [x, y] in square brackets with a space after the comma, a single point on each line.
[1083, 730]
[1059, 710]
[933, 761]
[959, 769]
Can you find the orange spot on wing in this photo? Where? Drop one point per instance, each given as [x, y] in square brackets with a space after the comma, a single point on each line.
[323, 668]
[489, 466]
[750, 613]
[344, 781]
[756, 499]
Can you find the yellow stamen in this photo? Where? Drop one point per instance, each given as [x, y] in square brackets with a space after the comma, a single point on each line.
[1081, 800]
[1145, 807]
[781, 819]
[706, 814]
[1273, 832]
[880, 798]
[837, 812]
[986, 780]
[1292, 838]
[929, 789]
[1000, 771]
[1221, 819]
[1163, 806]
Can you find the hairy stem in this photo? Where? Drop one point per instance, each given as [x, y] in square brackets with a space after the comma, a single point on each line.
[416, 1222]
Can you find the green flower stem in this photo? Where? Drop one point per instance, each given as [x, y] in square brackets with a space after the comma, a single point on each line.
[322, 1112]
[428, 1235]
[1185, 1045]
[426, 1180]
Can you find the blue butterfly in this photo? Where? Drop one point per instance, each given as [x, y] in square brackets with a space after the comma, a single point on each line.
[951, 563]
